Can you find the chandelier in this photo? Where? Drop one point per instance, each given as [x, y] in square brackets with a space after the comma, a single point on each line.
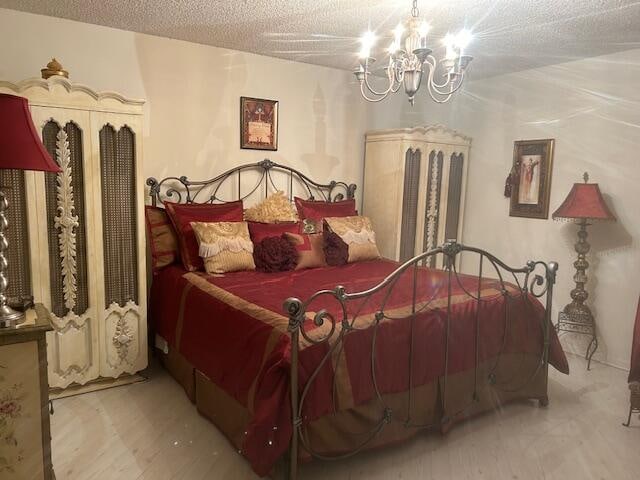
[409, 59]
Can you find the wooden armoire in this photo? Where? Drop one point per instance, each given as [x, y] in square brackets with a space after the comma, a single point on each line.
[76, 238]
[414, 188]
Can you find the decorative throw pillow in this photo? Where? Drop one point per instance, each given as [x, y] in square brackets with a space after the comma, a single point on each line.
[276, 208]
[336, 251]
[224, 246]
[317, 210]
[182, 215]
[309, 247]
[357, 232]
[275, 254]
[260, 231]
[162, 237]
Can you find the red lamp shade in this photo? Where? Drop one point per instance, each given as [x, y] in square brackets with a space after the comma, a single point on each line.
[20, 145]
[584, 201]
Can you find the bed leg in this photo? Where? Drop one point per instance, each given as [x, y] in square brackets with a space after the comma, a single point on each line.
[543, 401]
[290, 472]
[628, 419]
[296, 313]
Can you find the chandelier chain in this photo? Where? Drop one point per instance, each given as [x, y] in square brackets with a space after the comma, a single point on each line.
[415, 13]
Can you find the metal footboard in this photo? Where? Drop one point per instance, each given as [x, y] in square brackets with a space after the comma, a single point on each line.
[533, 281]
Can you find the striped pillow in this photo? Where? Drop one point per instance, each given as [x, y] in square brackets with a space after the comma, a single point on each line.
[162, 238]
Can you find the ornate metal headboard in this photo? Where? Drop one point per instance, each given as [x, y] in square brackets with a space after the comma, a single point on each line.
[182, 190]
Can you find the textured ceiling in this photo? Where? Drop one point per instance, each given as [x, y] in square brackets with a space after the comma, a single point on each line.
[510, 35]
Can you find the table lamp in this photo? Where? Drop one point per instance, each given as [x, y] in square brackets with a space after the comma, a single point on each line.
[20, 149]
[583, 205]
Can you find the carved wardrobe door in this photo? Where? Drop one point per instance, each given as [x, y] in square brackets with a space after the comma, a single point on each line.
[119, 234]
[60, 230]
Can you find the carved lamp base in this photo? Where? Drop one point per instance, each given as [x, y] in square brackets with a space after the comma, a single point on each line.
[8, 316]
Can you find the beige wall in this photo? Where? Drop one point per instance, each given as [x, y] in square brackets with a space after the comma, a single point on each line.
[193, 92]
[592, 108]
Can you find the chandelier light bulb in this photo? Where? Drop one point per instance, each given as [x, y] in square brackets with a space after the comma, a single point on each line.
[423, 29]
[463, 38]
[450, 44]
[397, 32]
[448, 40]
[367, 41]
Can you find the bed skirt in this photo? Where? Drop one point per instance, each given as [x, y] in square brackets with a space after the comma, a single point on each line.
[334, 433]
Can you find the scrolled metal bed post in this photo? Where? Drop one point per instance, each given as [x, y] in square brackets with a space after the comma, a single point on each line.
[551, 271]
[295, 309]
[153, 190]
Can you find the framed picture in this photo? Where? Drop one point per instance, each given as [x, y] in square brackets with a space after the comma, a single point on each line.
[258, 123]
[531, 183]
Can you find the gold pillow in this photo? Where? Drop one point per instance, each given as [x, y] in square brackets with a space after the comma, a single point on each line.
[224, 246]
[276, 208]
[357, 232]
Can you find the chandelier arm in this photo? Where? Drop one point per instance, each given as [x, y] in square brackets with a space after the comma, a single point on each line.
[444, 99]
[374, 91]
[451, 90]
[371, 99]
[443, 96]
[433, 63]
[438, 87]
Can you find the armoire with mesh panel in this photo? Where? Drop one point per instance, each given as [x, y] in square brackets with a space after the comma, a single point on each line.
[414, 188]
[76, 237]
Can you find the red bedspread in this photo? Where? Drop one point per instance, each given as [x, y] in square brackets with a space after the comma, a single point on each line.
[232, 328]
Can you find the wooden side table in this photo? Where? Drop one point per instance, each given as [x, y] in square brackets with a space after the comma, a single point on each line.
[25, 432]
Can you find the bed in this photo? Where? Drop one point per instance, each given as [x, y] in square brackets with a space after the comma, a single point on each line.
[323, 363]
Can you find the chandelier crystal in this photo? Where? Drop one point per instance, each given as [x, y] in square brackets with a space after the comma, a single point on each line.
[410, 59]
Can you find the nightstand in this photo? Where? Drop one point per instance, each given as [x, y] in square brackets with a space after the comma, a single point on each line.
[25, 433]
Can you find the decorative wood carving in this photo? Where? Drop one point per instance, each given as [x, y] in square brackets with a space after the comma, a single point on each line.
[66, 221]
[432, 217]
[122, 325]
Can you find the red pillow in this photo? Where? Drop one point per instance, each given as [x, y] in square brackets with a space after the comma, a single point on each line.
[162, 237]
[260, 231]
[317, 210]
[183, 214]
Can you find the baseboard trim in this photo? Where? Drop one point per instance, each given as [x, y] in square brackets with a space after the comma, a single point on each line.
[95, 385]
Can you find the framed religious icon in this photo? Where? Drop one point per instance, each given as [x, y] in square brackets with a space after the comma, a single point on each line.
[258, 124]
[531, 178]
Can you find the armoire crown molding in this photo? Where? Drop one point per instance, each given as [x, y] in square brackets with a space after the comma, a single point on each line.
[437, 133]
[46, 93]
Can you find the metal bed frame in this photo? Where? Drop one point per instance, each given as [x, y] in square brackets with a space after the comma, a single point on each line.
[533, 281]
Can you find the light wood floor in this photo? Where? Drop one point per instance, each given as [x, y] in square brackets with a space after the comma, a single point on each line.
[151, 431]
